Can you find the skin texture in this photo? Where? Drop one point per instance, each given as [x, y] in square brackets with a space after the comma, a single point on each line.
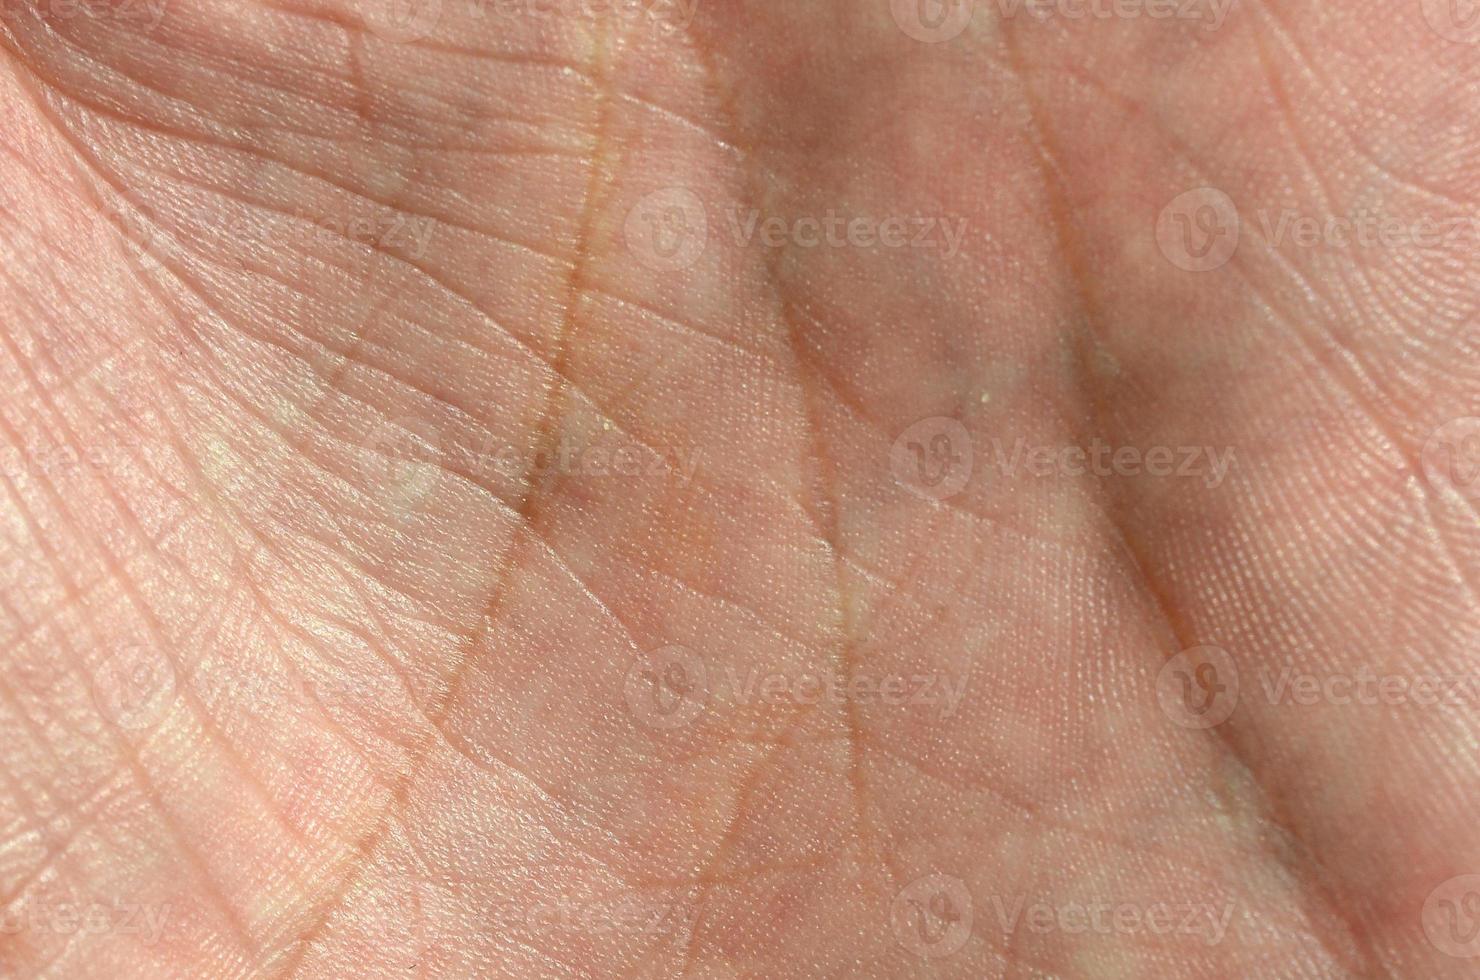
[313, 658]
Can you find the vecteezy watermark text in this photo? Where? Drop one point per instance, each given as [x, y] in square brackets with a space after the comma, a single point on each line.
[1209, 13]
[68, 916]
[567, 459]
[404, 21]
[384, 230]
[934, 917]
[56, 461]
[1207, 463]
[1365, 686]
[936, 458]
[624, 914]
[409, 234]
[406, 458]
[670, 229]
[1366, 228]
[937, 21]
[144, 14]
[669, 14]
[672, 687]
[1205, 921]
[833, 230]
[1201, 687]
[1200, 230]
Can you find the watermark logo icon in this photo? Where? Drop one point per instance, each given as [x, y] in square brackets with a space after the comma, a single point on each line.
[667, 688]
[142, 15]
[934, 458]
[402, 461]
[1199, 230]
[1199, 687]
[402, 21]
[1454, 20]
[1451, 917]
[1451, 457]
[135, 687]
[668, 229]
[932, 21]
[931, 917]
[136, 223]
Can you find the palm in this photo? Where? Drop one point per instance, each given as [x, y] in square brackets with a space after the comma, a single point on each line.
[314, 653]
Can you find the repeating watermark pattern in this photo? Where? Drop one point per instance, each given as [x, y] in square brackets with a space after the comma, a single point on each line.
[670, 229]
[1454, 20]
[1209, 464]
[1199, 687]
[68, 915]
[143, 15]
[1451, 458]
[1451, 917]
[406, 21]
[1198, 231]
[56, 462]
[134, 688]
[671, 688]
[932, 916]
[934, 458]
[1204, 921]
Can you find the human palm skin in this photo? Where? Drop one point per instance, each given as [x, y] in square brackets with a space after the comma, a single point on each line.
[488, 493]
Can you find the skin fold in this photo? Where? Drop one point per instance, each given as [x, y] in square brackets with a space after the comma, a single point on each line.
[739, 489]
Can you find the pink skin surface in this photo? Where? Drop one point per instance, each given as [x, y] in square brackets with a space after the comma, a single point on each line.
[517, 489]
